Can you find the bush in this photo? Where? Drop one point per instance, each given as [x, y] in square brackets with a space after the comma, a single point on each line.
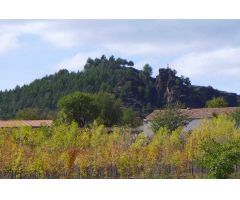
[131, 118]
[217, 102]
[215, 146]
[171, 118]
[109, 108]
[220, 159]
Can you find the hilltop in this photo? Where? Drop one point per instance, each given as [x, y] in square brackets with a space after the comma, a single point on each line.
[136, 88]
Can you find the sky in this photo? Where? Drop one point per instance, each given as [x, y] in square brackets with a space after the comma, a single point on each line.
[206, 51]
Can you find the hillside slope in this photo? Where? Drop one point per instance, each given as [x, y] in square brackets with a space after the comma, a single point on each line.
[136, 88]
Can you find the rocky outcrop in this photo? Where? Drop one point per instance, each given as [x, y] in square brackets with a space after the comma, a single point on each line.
[136, 88]
[165, 83]
[172, 88]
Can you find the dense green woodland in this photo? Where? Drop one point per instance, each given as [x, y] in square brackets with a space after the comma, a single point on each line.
[136, 88]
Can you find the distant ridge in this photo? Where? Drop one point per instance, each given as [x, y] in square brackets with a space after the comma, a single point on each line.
[136, 88]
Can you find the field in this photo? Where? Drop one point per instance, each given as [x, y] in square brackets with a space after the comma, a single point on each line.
[65, 151]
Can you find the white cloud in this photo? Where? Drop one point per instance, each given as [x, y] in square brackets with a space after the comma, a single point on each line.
[150, 48]
[125, 37]
[51, 32]
[8, 42]
[203, 50]
[62, 39]
[116, 36]
[219, 68]
[10, 34]
[77, 61]
[217, 62]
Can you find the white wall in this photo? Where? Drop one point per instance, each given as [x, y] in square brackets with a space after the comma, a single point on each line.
[191, 125]
[147, 129]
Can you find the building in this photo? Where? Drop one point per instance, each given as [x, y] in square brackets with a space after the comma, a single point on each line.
[20, 123]
[195, 115]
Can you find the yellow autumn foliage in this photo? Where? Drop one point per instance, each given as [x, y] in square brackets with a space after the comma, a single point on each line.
[65, 151]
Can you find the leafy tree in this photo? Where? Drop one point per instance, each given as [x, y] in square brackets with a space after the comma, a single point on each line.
[171, 118]
[216, 102]
[131, 118]
[186, 81]
[147, 69]
[214, 145]
[79, 107]
[110, 111]
[220, 159]
[85, 107]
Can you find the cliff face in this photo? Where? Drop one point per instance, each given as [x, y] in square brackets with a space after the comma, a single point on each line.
[167, 87]
[172, 88]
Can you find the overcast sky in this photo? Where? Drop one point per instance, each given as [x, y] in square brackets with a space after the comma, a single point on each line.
[206, 51]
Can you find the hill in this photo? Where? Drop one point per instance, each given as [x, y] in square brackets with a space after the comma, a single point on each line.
[136, 88]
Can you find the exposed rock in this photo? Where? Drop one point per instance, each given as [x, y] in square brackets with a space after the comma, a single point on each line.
[136, 88]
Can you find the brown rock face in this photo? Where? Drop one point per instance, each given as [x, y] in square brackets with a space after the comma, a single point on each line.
[172, 88]
[165, 82]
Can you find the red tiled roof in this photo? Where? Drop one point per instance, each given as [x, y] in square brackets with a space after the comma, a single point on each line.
[19, 123]
[197, 113]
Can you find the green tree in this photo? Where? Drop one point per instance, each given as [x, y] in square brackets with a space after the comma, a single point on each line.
[171, 118]
[135, 88]
[214, 145]
[220, 159]
[109, 107]
[84, 107]
[216, 102]
[147, 69]
[131, 118]
[79, 107]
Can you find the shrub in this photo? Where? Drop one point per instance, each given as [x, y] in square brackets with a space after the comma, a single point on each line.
[109, 108]
[171, 118]
[215, 146]
[131, 118]
[216, 102]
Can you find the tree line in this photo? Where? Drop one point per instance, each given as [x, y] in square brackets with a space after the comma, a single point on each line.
[137, 89]
[110, 75]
